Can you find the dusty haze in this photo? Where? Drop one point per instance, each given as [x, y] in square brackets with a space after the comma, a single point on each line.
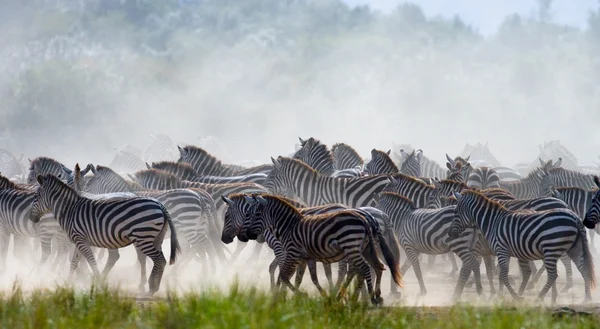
[79, 79]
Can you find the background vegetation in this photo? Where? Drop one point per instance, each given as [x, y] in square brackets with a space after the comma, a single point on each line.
[105, 73]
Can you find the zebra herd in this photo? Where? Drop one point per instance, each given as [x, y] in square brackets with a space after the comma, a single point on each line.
[316, 205]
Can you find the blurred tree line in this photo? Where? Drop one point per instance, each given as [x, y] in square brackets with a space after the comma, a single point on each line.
[79, 64]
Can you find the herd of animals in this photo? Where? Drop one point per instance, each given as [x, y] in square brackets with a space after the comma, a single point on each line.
[319, 204]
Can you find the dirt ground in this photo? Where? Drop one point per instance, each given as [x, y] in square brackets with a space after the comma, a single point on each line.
[254, 272]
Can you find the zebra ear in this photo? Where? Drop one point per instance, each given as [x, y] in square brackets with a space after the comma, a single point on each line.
[227, 200]
[436, 183]
[182, 152]
[557, 163]
[449, 166]
[302, 141]
[467, 158]
[457, 195]
[389, 152]
[40, 180]
[419, 153]
[148, 166]
[261, 200]
[450, 161]
[542, 163]
[404, 154]
[32, 161]
[555, 192]
[250, 199]
[93, 169]
[276, 163]
[597, 180]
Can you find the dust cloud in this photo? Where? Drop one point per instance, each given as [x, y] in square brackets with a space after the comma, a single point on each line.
[78, 79]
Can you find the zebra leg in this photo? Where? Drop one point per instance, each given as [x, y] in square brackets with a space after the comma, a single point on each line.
[46, 246]
[85, 250]
[454, 265]
[286, 270]
[503, 263]
[582, 257]
[342, 272]
[113, 257]
[312, 269]
[141, 257]
[566, 260]
[413, 258]
[537, 275]
[256, 252]
[526, 272]
[300, 270]
[149, 249]
[550, 264]
[328, 274]
[74, 263]
[489, 271]
[469, 263]
[272, 268]
[364, 273]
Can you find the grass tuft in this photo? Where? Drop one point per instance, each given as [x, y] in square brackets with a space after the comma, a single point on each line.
[101, 307]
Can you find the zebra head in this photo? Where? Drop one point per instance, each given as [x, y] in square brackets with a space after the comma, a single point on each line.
[462, 216]
[42, 202]
[592, 216]
[276, 179]
[237, 213]
[254, 226]
[381, 163]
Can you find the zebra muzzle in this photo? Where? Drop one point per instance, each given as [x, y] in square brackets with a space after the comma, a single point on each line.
[589, 223]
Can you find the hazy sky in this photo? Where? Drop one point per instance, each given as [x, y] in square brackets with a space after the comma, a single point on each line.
[486, 15]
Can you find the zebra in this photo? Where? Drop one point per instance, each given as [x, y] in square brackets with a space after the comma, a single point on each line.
[529, 187]
[554, 149]
[160, 180]
[317, 156]
[592, 216]
[45, 165]
[207, 165]
[424, 231]
[315, 189]
[479, 152]
[346, 157]
[10, 166]
[578, 199]
[161, 148]
[568, 178]
[110, 224]
[483, 177]
[429, 168]
[526, 236]
[193, 212]
[126, 161]
[238, 210]
[328, 238]
[412, 163]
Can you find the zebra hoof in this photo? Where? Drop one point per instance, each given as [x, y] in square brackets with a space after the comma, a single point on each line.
[377, 301]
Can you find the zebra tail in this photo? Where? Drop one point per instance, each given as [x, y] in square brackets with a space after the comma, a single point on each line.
[588, 260]
[175, 247]
[392, 240]
[392, 262]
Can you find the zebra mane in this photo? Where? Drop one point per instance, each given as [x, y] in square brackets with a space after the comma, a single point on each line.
[6, 183]
[49, 181]
[172, 167]
[295, 162]
[559, 170]
[384, 157]
[107, 172]
[350, 149]
[411, 180]
[44, 160]
[318, 146]
[193, 152]
[152, 174]
[403, 200]
[294, 203]
[284, 203]
[452, 182]
[477, 195]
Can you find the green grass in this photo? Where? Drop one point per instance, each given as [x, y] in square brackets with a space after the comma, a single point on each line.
[250, 308]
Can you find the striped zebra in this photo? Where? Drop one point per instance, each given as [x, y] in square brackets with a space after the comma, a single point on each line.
[483, 177]
[185, 172]
[346, 157]
[529, 187]
[111, 224]
[592, 216]
[238, 209]
[382, 163]
[45, 165]
[578, 199]
[206, 164]
[125, 161]
[193, 212]
[527, 236]
[479, 152]
[315, 189]
[554, 149]
[161, 148]
[160, 180]
[425, 231]
[429, 168]
[327, 238]
[317, 156]
[568, 178]
[10, 166]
